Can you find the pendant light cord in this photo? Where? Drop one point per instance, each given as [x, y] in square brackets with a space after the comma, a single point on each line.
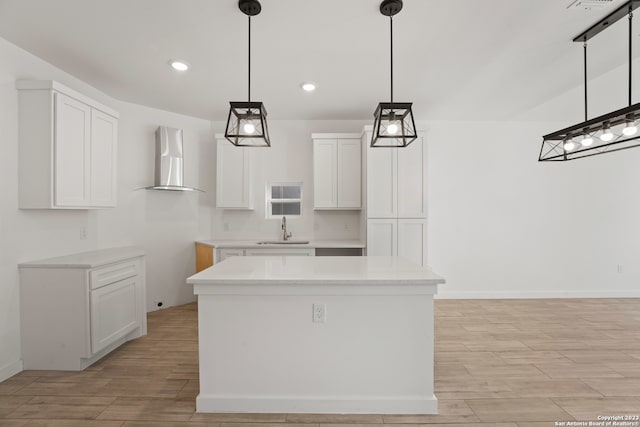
[249, 62]
[391, 40]
[630, 49]
[585, 82]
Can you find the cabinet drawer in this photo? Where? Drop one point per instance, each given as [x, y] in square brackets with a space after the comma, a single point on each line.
[112, 273]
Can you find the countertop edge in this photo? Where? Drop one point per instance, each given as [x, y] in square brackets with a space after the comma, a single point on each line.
[313, 244]
[67, 261]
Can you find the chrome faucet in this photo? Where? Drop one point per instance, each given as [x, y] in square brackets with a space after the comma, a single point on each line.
[285, 235]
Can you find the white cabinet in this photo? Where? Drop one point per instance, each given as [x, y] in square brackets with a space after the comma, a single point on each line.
[279, 252]
[227, 253]
[337, 163]
[67, 149]
[382, 237]
[325, 174]
[233, 171]
[412, 240]
[397, 201]
[398, 237]
[76, 309]
[396, 181]
[223, 253]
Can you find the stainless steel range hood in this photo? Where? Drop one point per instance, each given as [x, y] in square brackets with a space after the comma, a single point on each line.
[169, 171]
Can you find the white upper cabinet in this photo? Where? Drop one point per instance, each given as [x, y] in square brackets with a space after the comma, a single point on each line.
[396, 181]
[349, 174]
[337, 163]
[233, 183]
[104, 155]
[325, 174]
[68, 148]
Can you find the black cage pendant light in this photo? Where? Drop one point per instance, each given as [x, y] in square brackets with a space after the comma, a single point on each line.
[247, 121]
[394, 125]
[611, 132]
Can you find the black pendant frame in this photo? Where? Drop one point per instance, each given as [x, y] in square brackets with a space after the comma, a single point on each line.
[242, 113]
[586, 139]
[398, 114]
[393, 125]
[249, 113]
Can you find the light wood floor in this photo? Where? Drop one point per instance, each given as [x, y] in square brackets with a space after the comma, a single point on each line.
[503, 363]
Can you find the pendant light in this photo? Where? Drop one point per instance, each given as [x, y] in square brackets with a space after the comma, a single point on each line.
[247, 121]
[611, 132]
[394, 125]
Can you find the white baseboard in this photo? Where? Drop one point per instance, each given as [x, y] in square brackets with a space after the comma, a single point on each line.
[10, 370]
[537, 295]
[337, 405]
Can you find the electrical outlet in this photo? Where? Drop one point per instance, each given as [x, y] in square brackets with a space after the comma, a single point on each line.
[319, 313]
[83, 233]
[619, 268]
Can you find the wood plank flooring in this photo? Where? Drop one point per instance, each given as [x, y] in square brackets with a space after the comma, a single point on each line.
[499, 363]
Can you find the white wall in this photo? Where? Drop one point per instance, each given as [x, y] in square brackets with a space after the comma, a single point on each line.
[165, 225]
[290, 159]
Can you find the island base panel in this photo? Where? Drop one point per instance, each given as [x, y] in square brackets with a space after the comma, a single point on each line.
[264, 353]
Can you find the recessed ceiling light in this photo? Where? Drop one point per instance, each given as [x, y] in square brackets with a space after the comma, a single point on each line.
[309, 87]
[179, 65]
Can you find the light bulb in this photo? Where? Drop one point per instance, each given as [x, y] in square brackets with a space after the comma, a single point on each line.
[569, 145]
[606, 135]
[630, 129]
[587, 141]
[392, 129]
[249, 128]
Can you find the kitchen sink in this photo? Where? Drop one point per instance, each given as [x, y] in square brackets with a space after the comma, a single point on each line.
[284, 242]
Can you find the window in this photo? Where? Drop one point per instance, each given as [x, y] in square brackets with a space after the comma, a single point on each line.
[284, 200]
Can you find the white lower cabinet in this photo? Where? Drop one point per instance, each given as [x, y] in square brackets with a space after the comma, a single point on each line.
[279, 252]
[398, 237]
[73, 313]
[224, 253]
[113, 312]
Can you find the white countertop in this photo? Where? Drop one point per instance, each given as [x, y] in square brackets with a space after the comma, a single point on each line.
[329, 270]
[252, 244]
[90, 259]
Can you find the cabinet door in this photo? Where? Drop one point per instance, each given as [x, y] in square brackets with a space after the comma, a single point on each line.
[382, 185]
[72, 152]
[382, 237]
[113, 312]
[349, 173]
[325, 164]
[104, 143]
[233, 186]
[412, 240]
[412, 180]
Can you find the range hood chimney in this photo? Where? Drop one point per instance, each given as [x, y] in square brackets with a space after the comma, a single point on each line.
[169, 170]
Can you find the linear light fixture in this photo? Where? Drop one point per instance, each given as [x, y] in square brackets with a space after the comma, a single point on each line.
[247, 121]
[393, 125]
[611, 132]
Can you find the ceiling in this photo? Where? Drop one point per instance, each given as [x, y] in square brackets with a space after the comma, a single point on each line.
[463, 59]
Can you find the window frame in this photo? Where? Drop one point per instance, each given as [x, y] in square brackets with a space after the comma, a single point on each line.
[269, 200]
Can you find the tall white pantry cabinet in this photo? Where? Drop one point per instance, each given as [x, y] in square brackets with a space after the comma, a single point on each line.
[67, 150]
[397, 200]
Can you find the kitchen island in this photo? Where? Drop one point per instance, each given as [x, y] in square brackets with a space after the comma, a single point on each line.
[316, 335]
